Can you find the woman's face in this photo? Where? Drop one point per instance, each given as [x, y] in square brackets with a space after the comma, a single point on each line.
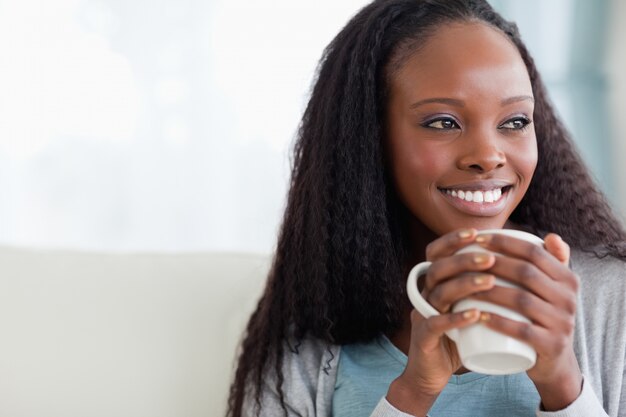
[461, 145]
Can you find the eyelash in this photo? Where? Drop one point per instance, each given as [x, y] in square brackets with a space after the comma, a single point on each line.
[428, 123]
[525, 120]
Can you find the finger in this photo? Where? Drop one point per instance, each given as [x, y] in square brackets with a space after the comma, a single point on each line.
[530, 252]
[443, 296]
[449, 243]
[530, 306]
[527, 275]
[545, 342]
[557, 247]
[430, 330]
[451, 266]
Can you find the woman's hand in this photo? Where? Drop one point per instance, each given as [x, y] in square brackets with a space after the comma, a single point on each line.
[433, 357]
[548, 300]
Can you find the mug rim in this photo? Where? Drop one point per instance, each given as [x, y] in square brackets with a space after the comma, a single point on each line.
[519, 234]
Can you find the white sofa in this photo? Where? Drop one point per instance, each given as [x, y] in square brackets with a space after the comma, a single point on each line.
[105, 334]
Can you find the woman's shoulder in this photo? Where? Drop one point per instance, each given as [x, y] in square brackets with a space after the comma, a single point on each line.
[600, 335]
[602, 276]
[306, 361]
[598, 264]
[311, 353]
[309, 371]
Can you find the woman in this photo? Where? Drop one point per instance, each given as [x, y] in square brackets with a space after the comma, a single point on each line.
[428, 121]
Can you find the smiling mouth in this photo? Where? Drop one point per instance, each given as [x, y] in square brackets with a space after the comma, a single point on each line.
[478, 196]
[483, 203]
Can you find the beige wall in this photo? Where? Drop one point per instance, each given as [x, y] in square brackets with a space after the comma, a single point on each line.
[616, 67]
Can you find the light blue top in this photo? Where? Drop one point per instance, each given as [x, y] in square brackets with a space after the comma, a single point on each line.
[366, 370]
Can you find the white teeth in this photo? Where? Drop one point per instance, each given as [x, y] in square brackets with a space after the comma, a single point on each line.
[489, 196]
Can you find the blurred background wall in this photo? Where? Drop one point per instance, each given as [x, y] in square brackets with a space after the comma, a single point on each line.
[166, 125]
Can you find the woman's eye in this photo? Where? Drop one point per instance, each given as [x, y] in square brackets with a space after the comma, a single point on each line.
[443, 123]
[518, 123]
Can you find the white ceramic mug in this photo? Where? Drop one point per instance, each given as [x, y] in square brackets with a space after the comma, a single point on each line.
[480, 348]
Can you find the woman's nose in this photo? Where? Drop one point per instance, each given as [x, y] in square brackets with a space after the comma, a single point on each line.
[481, 154]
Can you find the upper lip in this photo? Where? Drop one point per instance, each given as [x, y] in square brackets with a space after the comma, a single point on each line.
[478, 185]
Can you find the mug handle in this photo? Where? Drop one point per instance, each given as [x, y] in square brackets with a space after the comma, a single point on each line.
[420, 304]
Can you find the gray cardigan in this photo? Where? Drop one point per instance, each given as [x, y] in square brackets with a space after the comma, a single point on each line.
[599, 343]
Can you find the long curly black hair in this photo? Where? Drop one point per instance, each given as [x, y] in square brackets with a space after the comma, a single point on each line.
[339, 268]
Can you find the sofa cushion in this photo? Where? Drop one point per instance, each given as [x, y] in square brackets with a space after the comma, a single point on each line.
[105, 334]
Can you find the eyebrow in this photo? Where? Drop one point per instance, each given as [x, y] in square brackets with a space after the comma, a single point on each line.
[443, 100]
[516, 99]
[460, 103]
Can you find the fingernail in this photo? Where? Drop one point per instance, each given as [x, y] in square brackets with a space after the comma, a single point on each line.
[470, 314]
[482, 279]
[482, 239]
[465, 234]
[484, 316]
[482, 259]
